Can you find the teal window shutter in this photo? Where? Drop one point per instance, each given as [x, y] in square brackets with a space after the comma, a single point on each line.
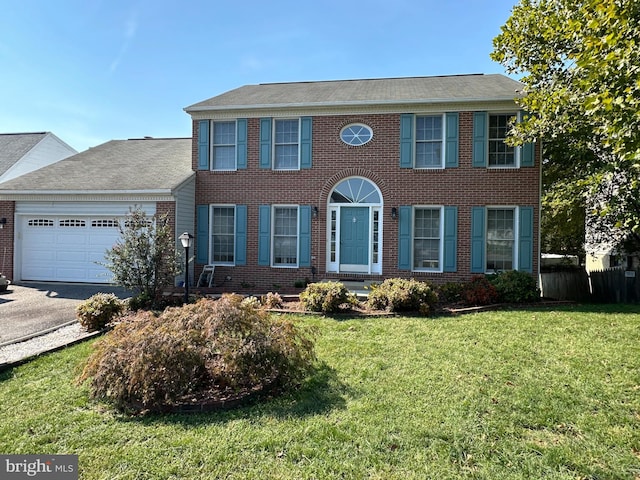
[241, 143]
[304, 237]
[305, 142]
[478, 215]
[264, 235]
[404, 237]
[241, 235]
[527, 158]
[406, 140]
[450, 239]
[525, 239]
[451, 148]
[265, 143]
[480, 144]
[202, 234]
[203, 145]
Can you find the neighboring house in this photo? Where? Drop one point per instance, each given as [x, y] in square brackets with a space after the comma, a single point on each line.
[62, 218]
[22, 153]
[365, 180]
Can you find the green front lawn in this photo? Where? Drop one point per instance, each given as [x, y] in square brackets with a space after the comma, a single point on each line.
[551, 394]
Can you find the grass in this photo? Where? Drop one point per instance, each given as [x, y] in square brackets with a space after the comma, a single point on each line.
[551, 394]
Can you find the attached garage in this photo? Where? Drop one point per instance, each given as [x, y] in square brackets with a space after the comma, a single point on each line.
[68, 246]
[63, 218]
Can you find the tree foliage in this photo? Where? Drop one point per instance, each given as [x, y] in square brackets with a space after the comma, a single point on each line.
[580, 61]
[144, 259]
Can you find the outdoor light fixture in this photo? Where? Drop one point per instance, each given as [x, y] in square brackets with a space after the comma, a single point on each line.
[394, 212]
[315, 212]
[187, 242]
[3, 221]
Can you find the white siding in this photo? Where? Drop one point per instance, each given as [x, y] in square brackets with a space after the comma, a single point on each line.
[49, 150]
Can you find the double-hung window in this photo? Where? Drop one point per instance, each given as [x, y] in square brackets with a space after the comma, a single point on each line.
[285, 236]
[429, 141]
[223, 149]
[501, 154]
[286, 145]
[223, 235]
[501, 239]
[427, 238]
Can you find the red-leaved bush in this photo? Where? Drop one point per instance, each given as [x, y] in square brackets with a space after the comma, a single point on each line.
[206, 350]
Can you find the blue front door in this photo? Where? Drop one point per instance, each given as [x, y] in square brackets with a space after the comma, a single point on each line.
[354, 238]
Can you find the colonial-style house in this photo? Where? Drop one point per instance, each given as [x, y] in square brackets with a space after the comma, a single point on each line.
[363, 180]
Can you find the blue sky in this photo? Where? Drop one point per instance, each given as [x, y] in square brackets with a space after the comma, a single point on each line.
[92, 70]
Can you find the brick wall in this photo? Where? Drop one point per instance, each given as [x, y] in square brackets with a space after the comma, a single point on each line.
[7, 209]
[377, 161]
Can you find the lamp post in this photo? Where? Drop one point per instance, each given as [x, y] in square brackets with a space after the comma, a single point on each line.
[187, 242]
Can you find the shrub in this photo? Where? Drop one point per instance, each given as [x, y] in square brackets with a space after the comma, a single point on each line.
[515, 287]
[450, 292]
[206, 350]
[326, 297]
[479, 291]
[399, 294]
[272, 300]
[96, 312]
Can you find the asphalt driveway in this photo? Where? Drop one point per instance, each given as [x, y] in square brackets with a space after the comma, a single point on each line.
[32, 307]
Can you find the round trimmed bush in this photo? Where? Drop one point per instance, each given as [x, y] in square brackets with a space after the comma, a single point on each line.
[403, 295]
[514, 286]
[96, 312]
[326, 297]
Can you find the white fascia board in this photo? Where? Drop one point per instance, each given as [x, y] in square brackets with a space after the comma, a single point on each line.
[368, 103]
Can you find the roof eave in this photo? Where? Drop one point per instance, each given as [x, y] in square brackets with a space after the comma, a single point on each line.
[158, 191]
[204, 108]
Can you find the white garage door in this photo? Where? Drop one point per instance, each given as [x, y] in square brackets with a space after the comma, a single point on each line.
[66, 248]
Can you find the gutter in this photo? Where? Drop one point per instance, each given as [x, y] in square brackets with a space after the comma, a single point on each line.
[347, 103]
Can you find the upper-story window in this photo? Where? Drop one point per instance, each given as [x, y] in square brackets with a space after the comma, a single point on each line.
[429, 142]
[356, 134]
[286, 145]
[223, 152]
[501, 154]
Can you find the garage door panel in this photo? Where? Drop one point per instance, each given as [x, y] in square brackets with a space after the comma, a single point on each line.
[71, 256]
[56, 248]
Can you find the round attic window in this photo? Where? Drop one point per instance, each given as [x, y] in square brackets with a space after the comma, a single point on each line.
[356, 134]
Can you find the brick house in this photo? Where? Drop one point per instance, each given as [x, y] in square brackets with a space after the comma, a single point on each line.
[363, 179]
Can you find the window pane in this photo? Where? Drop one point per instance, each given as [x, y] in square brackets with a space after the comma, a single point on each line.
[429, 142]
[426, 238]
[286, 157]
[224, 158]
[500, 154]
[500, 239]
[223, 234]
[285, 236]
[224, 146]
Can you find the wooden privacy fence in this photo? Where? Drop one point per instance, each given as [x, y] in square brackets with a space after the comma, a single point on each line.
[566, 285]
[613, 285]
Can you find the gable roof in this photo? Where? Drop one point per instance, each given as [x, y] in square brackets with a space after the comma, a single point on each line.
[458, 88]
[14, 146]
[118, 166]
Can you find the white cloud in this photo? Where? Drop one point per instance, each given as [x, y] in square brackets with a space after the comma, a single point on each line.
[130, 30]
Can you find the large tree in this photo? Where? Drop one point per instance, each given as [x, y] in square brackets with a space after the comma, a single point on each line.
[580, 61]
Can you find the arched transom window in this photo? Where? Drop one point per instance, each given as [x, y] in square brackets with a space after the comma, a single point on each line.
[355, 190]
